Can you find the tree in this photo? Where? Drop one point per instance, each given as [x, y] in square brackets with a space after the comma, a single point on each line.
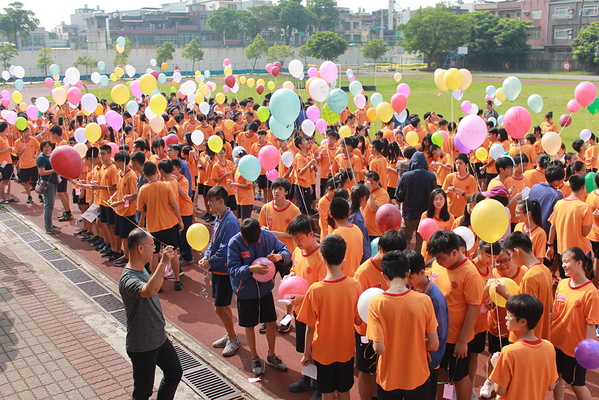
[44, 59]
[294, 16]
[268, 16]
[165, 53]
[511, 36]
[257, 49]
[326, 12]
[326, 46]
[7, 52]
[374, 49]
[17, 23]
[279, 53]
[303, 53]
[122, 58]
[223, 21]
[193, 52]
[584, 46]
[250, 25]
[434, 30]
[87, 62]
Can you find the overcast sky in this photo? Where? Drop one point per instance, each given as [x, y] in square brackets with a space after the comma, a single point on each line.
[51, 15]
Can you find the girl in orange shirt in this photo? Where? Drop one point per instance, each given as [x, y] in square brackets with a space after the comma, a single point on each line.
[437, 210]
[238, 125]
[425, 147]
[378, 152]
[549, 125]
[530, 219]
[350, 122]
[393, 155]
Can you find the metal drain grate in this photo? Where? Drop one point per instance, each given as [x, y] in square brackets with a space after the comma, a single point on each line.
[109, 302]
[12, 223]
[20, 229]
[29, 237]
[39, 245]
[92, 289]
[121, 317]
[203, 380]
[50, 255]
[77, 276]
[64, 265]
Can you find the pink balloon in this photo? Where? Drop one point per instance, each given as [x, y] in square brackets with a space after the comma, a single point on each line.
[269, 157]
[427, 227]
[321, 126]
[313, 113]
[135, 90]
[293, 285]
[360, 101]
[268, 67]
[78, 84]
[74, 95]
[272, 175]
[171, 139]
[399, 102]
[271, 271]
[225, 89]
[312, 72]
[32, 112]
[110, 116]
[114, 149]
[11, 116]
[277, 64]
[49, 83]
[516, 121]
[466, 106]
[351, 78]
[117, 122]
[472, 131]
[585, 93]
[488, 98]
[404, 89]
[573, 106]
[181, 95]
[458, 145]
[328, 71]
[5, 95]
[227, 62]
[5, 103]
[445, 135]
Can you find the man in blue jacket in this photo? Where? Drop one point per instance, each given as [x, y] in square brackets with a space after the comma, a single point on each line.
[215, 259]
[413, 190]
[255, 303]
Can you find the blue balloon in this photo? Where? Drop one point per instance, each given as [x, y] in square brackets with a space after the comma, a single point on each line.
[496, 151]
[337, 100]
[121, 41]
[161, 78]
[349, 72]
[249, 167]
[101, 65]
[500, 120]
[285, 106]
[104, 80]
[376, 99]
[207, 74]
[132, 107]
[54, 69]
[374, 246]
[279, 130]
[19, 84]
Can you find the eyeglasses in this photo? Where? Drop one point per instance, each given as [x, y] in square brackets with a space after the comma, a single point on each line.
[149, 245]
[504, 262]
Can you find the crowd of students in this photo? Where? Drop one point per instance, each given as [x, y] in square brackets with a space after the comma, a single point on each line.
[318, 221]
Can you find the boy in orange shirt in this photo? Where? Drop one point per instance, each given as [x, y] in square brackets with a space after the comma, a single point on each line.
[378, 197]
[262, 181]
[302, 164]
[187, 213]
[396, 341]
[27, 148]
[339, 211]
[330, 310]
[459, 186]
[442, 162]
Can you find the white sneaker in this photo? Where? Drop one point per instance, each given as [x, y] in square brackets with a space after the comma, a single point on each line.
[486, 391]
[221, 343]
[231, 347]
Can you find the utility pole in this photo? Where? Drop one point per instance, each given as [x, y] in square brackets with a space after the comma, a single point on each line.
[580, 18]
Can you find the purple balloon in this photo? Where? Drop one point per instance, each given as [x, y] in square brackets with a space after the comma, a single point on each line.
[460, 146]
[351, 78]
[312, 72]
[587, 353]
[404, 89]
[321, 126]
[135, 90]
[313, 113]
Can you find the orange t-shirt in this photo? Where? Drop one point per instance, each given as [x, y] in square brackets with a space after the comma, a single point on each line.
[552, 127]
[500, 329]
[207, 130]
[593, 200]
[218, 170]
[155, 159]
[517, 186]
[255, 150]
[327, 157]
[591, 153]
[309, 266]
[568, 218]
[323, 214]
[369, 275]
[277, 220]
[538, 237]
[127, 184]
[109, 176]
[535, 176]
[244, 196]
[456, 203]
[443, 225]
[442, 172]
[154, 198]
[461, 285]
[387, 316]
[29, 157]
[481, 322]
[175, 188]
[185, 204]
[392, 176]
[526, 149]
[353, 253]
[331, 306]
[526, 369]
[246, 141]
[342, 162]
[380, 197]
[379, 165]
[208, 179]
[5, 157]
[299, 162]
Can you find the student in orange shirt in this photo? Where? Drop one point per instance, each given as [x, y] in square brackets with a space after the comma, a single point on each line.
[378, 152]
[580, 147]
[158, 150]
[459, 186]
[187, 211]
[262, 181]
[302, 164]
[223, 173]
[396, 340]
[277, 214]
[463, 288]
[591, 154]
[437, 210]
[61, 188]
[441, 164]
[329, 311]
[505, 169]
[537, 175]
[525, 369]
[488, 169]
[549, 125]
[530, 217]
[248, 138]
[27, 148]
[378, 197]
[339, 211]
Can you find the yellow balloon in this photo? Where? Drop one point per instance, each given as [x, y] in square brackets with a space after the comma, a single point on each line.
[220, 98]
[412, 138]
[490, 220]
[452, 79]
[289, 85]
[260, 82]
[17, 97]
[119, 49]
[251, 82]
[229, 124]
[84, 111]
[481, 153]
[384, 112]
[158, 104]
[271, 85]
[93, 132]
[466, 79]
[163, 65]
[242, 80]
[551, 143]
[99, 110]
[500, 95]
[344, 131]
[22, 106]
[118, 71]
[198, 236]
[205, 91]
[215, 143]
[397, 76]
[147, 84]
[113, 77]
[510, 285]
[157, 123]
[440, 82]
[120, 94]
[199, 98]
[59, 95]
[81, 149]
[228, 71]
[198, 73]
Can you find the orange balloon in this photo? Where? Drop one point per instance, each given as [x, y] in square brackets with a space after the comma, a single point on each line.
[99, 110]
[371, 114]
[308, 82]
[164, 65]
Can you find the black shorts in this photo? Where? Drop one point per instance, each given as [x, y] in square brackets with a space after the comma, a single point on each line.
[232, 203]
[477, 173]
[477, 345]
[489, 177]
[366, 357]
[572, 372]
[62, 186]
[291, 194]
[457, 369]
[300, 336]
[14, 158]
[107, 215]
[335, 377]
[170, 237]
[391, 192]
[222, 292]
[6, 172]
[251, 312]
[29, 175]
[262, 182]
[245, 211]
[75, 197]
[124, 225]
[421, 392]
[206, 190]
[494, 345]
[283, 269]
[200, 189]
[595, 247]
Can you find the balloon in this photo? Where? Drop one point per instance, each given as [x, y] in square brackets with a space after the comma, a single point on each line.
[312, 72]
[308, 127]
[89, 102]
[481, 153]
[438, 138]
[585, 93]
[321, 126]
[590, 181]
[121, 41]
[269, 68]
[510, 285]
[296, 68]
[72, 75]
[344, 131]
[364, 301]
[259, 89]
[260, 82]
[19, 84]
[319, 89]
[249, 167]
[355, 88]
[81, 149]
[21, 123]
[328, 71]
[269, 157]
[452, 79]
[512, 88]
[272, 175]
[594, 107]
[215, 143]
[66, 162]
[587, 354]
[32, 112]
[230, 80]
[466, 107]
[118, 71]
[371, 114]
[489, 220]
[157, 123]
[490, 91]
[198, 236]
[497, 102]
[585, 134]
[188, 88]
[493, 120]
[499, 94]
[132, 107]
[285, 106]
[384, 111]
[535, 103]
[427, 227]
[388, 217]
[120, 94]
[376, 99]
[573, 106]
[458, 94]
[250, 82]
[404, 89]
[474, 109]
[412, 138]
[275, 71]
[399, 102]
[374, 246]
[473, 131]
[500, 120]
[80, 135]
[496, 151]
[130, 71]
[288, 85]
[147, 84]
[42, 104]
[565, 120]
[466, 79]
[461, 147]
[280, 130]
[204, 108]
[19, 72]
[360, 101]
[397, 76]
[440, 82]
[49, 83]
[517, 122]
[287, 158]
[293, 285]
[158, 103]
[313, 113]
[263, 113]
[337, 100]
[11, 117]
[54, 69]
[551, 143]
[114, 149]
[197, 137]
[329, 116]
[467, 235]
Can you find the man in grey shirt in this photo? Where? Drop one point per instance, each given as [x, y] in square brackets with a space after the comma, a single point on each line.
[490, 112]
[147, 344]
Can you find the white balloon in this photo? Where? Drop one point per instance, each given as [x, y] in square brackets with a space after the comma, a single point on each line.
[466, 234]
[130, 71]
[42, 104]
[474, 109]
[5, 75]
[3, 113]
[153, 62]
[319, 89]
[235, 87]
[149, 113]
[96, 77]
[176, 77]
[197, 137]
[364, 301]
[585, 134]
[236, 151]
[296, 68]
[132, 107]
[497, 102]
[301, 76]
[458, 94]
[191, 99]
[149, 70]
[11, 69]
[19, 71]
[204, 108]
[287, 158]
[188, 88]
[72, 75]
[308, 127]
[102, 119]
[401, 117]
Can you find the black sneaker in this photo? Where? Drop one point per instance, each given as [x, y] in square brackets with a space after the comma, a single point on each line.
[211, 218]
[179, 285]
[115, 256]
[29, 200]
[121, 262]
[285, 328]
[106, 250]
[86, 236]
[262, 328]
[108, 254]
[302, 385]
[80, 232]
[59, 216]
[101, 246]
[40, 198]
[67, 216]
[205, 216]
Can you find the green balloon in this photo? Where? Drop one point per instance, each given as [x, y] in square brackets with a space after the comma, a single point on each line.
[128, 84]
[329, 115]
[594, 107]
[589, 181]
[263, 114]
[57, 84]
[438, 139]
[21, 123]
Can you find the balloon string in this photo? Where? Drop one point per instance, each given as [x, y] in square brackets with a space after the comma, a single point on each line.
[497, 310]
[569, 117]
[526, 202]
[476, 177]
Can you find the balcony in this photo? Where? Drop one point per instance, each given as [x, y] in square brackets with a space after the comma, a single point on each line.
[562, 16]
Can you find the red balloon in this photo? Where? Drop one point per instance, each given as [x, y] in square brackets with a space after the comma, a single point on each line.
[275, 71]
[399, 101]
[171, 139]
[565, 120]
[154, 74]
[260, 89]
[66, 161]
[277, 64]
[517, 122]
[387, 218]
[104, 129]
[230, 81]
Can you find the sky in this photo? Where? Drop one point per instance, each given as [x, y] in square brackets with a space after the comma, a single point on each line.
[50, 16]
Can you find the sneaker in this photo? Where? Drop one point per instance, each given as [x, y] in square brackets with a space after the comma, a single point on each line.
[257, 367]
[183, 262]
[259, 196]
[179, 285]
[115, 256]
[262, 328]
[121, 262]
[474, 395]
[221, 343]
[302, 385]
[231, 347]
[86, 236]
[13, 200]
[4, 202]
[101, 246]
[486, 391]
[205, 216]
[108, 254]
[285, 328]
[170, 275]
[68, 216]
[276, 362]
[59, 216]
[53, 230]
[29, 200]
[80, 232]
[106, 250]
[316, 396]
[211, 218]
[40, 198]
[93, 239]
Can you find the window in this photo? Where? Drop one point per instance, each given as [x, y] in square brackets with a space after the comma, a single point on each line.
[590, 11]
[536, 14]
[560, 32]
[356, 25]
[560, 12]
[535, 32]
[357, 38]
[510, 15]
